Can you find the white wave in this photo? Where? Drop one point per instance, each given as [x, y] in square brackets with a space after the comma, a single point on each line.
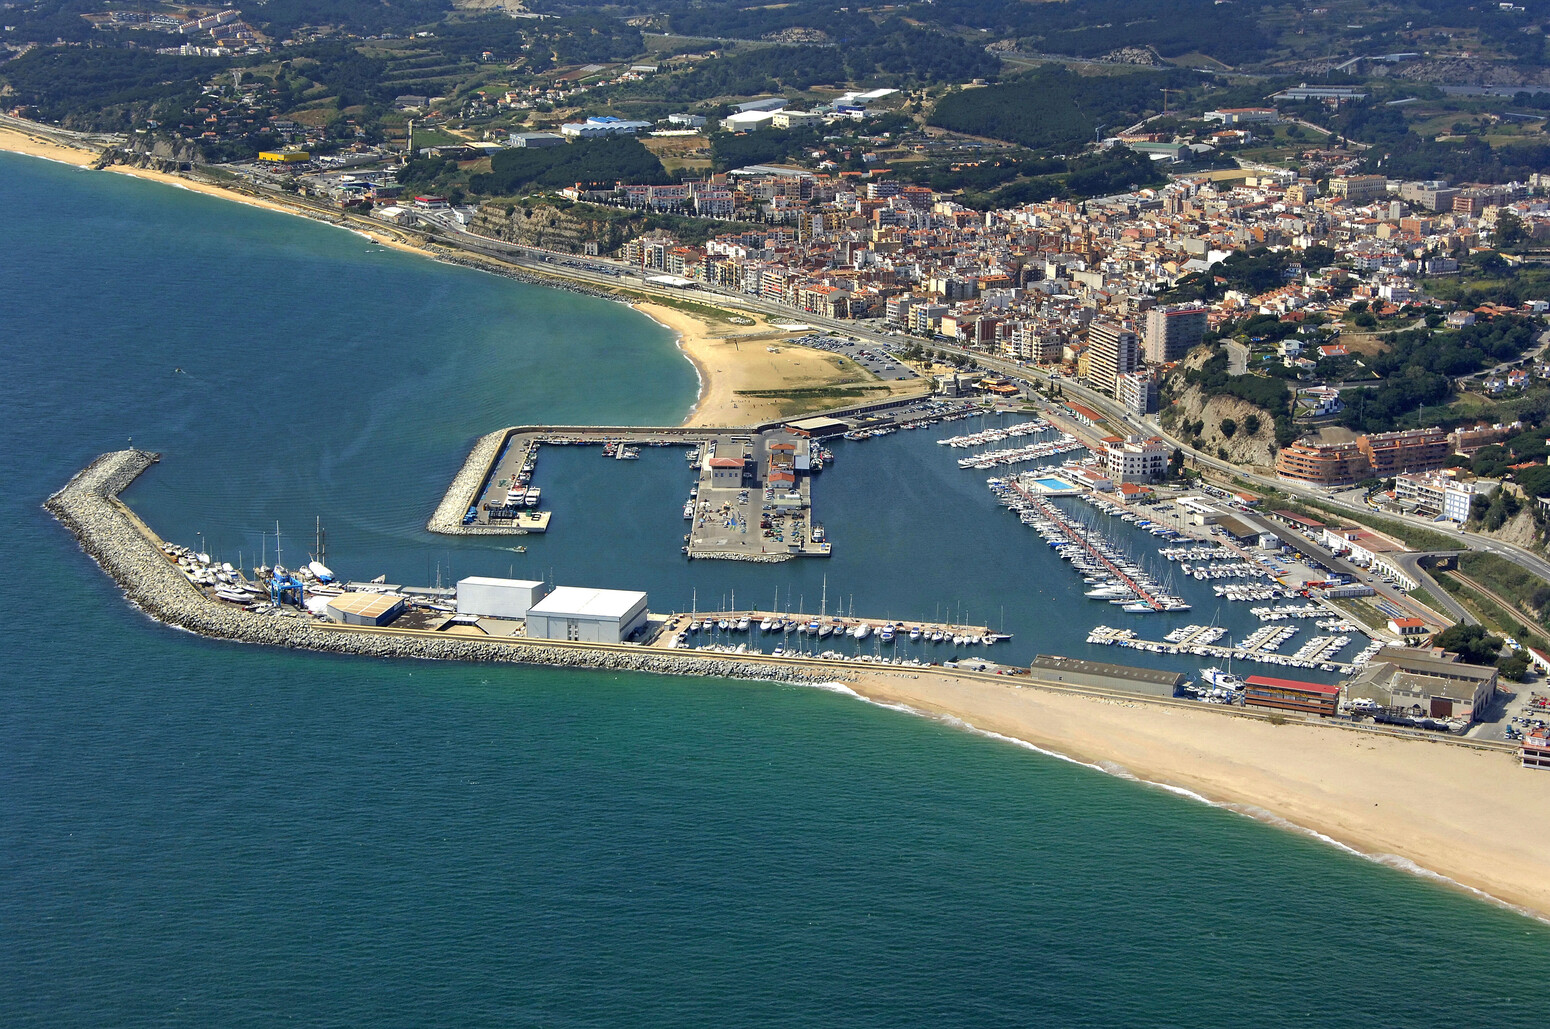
[1258, 814]
[835, 687]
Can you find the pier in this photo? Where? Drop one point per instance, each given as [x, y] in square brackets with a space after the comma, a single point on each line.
[1058, 520]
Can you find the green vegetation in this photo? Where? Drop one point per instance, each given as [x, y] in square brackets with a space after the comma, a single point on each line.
[1268, 394]
[1412, 536]
[1459, 160]
[1249, 271]
[1424, 597]
[1525, 590]
[589, 161]
[1492, 614]
[1421, 365]
[1472, 643]
[1054, 109]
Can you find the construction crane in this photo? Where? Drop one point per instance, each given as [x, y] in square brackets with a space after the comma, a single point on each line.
[1165, 93]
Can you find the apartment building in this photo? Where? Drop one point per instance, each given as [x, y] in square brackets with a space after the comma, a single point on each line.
[1113, 350]
[1172, 331]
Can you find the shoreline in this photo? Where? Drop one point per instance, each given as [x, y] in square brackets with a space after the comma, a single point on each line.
[1466, 816]
[1472, 820]
[724, 370]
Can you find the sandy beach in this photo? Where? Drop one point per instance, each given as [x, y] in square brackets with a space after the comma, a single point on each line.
[16, 141]
[1474, 817]
[734, 360]
[36, 145]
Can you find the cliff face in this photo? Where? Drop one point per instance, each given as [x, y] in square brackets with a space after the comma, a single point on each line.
[1186, 406]
[549, 227]
[1192, 408]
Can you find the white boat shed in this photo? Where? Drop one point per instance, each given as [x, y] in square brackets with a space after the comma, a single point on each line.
[485, 597]
[587, 615]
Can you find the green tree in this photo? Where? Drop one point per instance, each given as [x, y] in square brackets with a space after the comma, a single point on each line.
[1229, 427]
[1470, 642]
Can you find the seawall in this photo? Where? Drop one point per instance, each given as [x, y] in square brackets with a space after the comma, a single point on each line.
[131, 554]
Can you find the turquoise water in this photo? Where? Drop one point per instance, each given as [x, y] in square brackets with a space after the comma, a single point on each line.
[196, 833]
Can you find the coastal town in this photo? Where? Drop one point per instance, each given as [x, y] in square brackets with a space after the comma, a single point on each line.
[957, 487]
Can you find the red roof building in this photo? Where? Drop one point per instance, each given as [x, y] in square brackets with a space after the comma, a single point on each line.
[1311, 698]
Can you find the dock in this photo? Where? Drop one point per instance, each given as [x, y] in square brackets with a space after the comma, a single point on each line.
[837, 637]
[1050, 512]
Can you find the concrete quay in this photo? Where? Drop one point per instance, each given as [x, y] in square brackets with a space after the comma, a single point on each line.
[131, 553]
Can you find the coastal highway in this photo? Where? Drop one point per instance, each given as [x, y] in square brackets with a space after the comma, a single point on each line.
[611, 275]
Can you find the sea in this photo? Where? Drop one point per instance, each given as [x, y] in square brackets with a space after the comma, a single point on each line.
[211, 834]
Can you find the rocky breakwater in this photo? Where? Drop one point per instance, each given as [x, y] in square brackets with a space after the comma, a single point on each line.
[132, 555]
[463, 493]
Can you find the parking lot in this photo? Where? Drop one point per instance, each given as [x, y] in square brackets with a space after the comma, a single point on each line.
[874, 357]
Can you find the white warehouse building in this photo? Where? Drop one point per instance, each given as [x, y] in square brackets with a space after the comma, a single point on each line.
[484, 597]
[587, 615]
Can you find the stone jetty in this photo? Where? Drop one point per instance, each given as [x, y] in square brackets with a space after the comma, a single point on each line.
[125, 548]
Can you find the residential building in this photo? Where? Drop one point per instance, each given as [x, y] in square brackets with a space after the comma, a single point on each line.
[1359, 189]
[1136, 459]
[1321, 464]
[1137, 392]
[1113, 351]
[1413, 450]
[1171, 332]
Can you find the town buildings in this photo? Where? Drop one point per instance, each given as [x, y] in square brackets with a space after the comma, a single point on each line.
[1171, 332]
[1113, 350]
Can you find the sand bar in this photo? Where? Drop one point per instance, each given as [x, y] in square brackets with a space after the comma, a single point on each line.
[1475, 817]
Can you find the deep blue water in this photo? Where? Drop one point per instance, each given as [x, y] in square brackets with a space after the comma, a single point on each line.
[198, 833]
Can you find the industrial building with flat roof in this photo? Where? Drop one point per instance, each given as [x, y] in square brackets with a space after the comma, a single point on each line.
[1411, 683]
[486, 597]
[364, 608]
[586, 615]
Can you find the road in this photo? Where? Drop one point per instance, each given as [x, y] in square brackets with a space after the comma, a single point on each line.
[608, 274]
[1410, 564]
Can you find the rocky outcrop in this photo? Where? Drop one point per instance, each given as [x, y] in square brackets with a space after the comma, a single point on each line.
[1191, 408]
[132, 555]
[553, 228]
